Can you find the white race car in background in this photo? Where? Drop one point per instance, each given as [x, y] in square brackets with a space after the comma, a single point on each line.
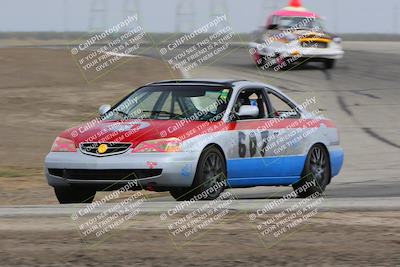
[295, 35]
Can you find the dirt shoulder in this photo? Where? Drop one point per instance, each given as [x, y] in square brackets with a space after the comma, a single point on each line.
[43, 92]
[29, 187]
[329, 239]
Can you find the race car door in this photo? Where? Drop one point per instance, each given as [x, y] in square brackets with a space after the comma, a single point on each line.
[287, 148]
[252, 161]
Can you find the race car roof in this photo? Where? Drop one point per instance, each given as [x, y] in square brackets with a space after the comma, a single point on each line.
[230, 83]
[295, 9]
[227, 82]
[294, 13]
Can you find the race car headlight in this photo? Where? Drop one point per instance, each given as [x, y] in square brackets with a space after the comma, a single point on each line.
[264, 50]
[63, 145]
[159, 145]
[291, 39]
[337, 40]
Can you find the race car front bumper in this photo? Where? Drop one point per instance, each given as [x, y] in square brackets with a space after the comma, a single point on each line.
[276, 49]
[318, 53]
[157, 170]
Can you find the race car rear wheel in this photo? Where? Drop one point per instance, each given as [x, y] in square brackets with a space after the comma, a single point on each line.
[209, 180]
[68, 195]
[316, 173]
[329, 63]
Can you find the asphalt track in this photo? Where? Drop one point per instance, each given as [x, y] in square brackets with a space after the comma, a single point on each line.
[361, 95]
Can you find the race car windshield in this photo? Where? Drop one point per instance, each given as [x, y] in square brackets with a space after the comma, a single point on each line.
[299, 23]
[201, 103]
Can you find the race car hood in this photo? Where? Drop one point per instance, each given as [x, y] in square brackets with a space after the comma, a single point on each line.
[301, 34]
[136, 131]
[310, 34]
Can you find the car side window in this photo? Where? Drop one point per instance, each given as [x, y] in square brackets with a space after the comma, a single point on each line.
[252, 97]
[280, 107]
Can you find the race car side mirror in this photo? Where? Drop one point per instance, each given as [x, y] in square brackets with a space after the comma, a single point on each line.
[248, 111]
[272, 27]
[103, 109]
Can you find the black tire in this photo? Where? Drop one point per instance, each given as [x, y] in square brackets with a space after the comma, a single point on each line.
[181, 194]
[210, 172]
[329, 64]
[316, 168]
[266, 63]
[261, 62]
[288, 66]
[68, 195]
[300, 63]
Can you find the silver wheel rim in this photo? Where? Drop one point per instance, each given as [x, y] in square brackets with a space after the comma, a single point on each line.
[213, 172]
[318, 164]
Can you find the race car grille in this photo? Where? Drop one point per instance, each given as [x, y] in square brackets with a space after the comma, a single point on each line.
[314, 44]
[104, 149]
[109, 174]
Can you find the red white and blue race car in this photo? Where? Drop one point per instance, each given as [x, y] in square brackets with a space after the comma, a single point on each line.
[189, 136]
[294, 35]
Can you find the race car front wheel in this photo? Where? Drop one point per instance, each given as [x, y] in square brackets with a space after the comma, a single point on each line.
[210, 178]
[316, 173]
[68, 195]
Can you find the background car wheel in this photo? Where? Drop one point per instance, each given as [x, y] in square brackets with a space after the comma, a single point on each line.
[288, 65]
[316, 168]
[210, 173]
[67, 195]
[260, 62]
[329, 63]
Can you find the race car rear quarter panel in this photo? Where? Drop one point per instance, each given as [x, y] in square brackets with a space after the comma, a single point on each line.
[336, 158]
[280, 160]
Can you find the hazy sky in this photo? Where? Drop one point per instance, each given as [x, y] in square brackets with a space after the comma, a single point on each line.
[343, 16]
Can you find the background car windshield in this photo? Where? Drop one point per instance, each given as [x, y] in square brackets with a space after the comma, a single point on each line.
[301, 23]
[173, 102]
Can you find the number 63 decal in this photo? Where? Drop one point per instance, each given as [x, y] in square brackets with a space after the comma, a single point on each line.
[248, 142]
